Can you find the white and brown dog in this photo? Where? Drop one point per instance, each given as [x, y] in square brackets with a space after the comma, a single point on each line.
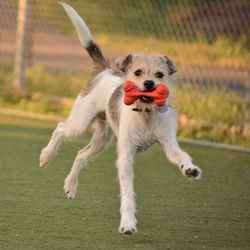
[136, 126]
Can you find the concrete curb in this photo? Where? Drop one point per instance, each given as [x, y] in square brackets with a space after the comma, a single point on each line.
[214, 145]
[31, 115]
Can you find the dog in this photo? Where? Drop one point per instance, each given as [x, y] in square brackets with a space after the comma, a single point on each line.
[136, 126]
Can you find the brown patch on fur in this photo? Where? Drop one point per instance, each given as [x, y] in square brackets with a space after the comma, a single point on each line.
[113, 105]
[171, 66]
[123, 63]
[116, 72]
[95, 53]
[101, 116]
[90, 86]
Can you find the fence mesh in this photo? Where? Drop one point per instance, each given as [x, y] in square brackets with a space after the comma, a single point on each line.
[208, 40]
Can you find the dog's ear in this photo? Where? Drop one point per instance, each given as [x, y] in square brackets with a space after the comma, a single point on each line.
[172, 68]
[122, 63]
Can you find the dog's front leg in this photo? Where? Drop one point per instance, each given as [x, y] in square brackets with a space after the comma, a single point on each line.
[126, 176]
[181, 159]
[166, 136]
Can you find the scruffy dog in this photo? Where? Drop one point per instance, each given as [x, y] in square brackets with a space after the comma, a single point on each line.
[136, 126]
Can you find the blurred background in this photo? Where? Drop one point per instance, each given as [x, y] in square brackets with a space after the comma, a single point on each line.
[43, 66]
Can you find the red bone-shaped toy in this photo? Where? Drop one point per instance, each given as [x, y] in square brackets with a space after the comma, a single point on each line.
[132, 93]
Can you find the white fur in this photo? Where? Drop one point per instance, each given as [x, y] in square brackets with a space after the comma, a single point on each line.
[135, 131]
[82, 29]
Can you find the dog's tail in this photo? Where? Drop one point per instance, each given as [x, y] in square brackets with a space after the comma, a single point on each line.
[86, 38]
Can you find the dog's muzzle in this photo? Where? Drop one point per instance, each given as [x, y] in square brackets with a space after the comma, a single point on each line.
[149, 85]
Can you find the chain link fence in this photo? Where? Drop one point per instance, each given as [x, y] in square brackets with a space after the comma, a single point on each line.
[208, 40]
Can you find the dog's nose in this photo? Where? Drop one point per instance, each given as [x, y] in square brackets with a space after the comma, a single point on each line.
[149, 84]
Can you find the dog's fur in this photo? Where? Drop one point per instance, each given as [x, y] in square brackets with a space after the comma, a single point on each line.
[136, 127]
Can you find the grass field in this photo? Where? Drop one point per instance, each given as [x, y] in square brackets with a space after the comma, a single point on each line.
[173, 213]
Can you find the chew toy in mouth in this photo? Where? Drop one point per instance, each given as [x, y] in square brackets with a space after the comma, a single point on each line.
[158, 95]
[146, 99]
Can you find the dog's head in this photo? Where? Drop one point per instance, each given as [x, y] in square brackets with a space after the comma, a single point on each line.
[147, 71]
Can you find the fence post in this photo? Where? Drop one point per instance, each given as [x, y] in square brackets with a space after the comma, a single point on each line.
[248, 97]
[247, 114]
[21, 44]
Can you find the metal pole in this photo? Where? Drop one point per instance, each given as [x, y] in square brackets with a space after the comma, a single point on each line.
[21, 44]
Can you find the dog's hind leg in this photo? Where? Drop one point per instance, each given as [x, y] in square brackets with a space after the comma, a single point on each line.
[99, 141]
[49, 152]
[81, 117]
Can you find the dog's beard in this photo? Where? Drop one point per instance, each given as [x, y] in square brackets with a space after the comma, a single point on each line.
[146, 106]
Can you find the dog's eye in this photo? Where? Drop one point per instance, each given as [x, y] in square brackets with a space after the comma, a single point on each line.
[138, 73]
[159, 75]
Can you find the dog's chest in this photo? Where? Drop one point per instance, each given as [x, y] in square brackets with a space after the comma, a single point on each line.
[145, 144]
[143, 135]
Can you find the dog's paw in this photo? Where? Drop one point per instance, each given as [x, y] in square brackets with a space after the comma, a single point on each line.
[46, 157]
[128, 225]
[191, 171]
[70, 186]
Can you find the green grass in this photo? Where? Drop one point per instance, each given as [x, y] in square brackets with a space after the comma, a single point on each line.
[221, 53]
[39, 80]
[216, 115]
[173, 213]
